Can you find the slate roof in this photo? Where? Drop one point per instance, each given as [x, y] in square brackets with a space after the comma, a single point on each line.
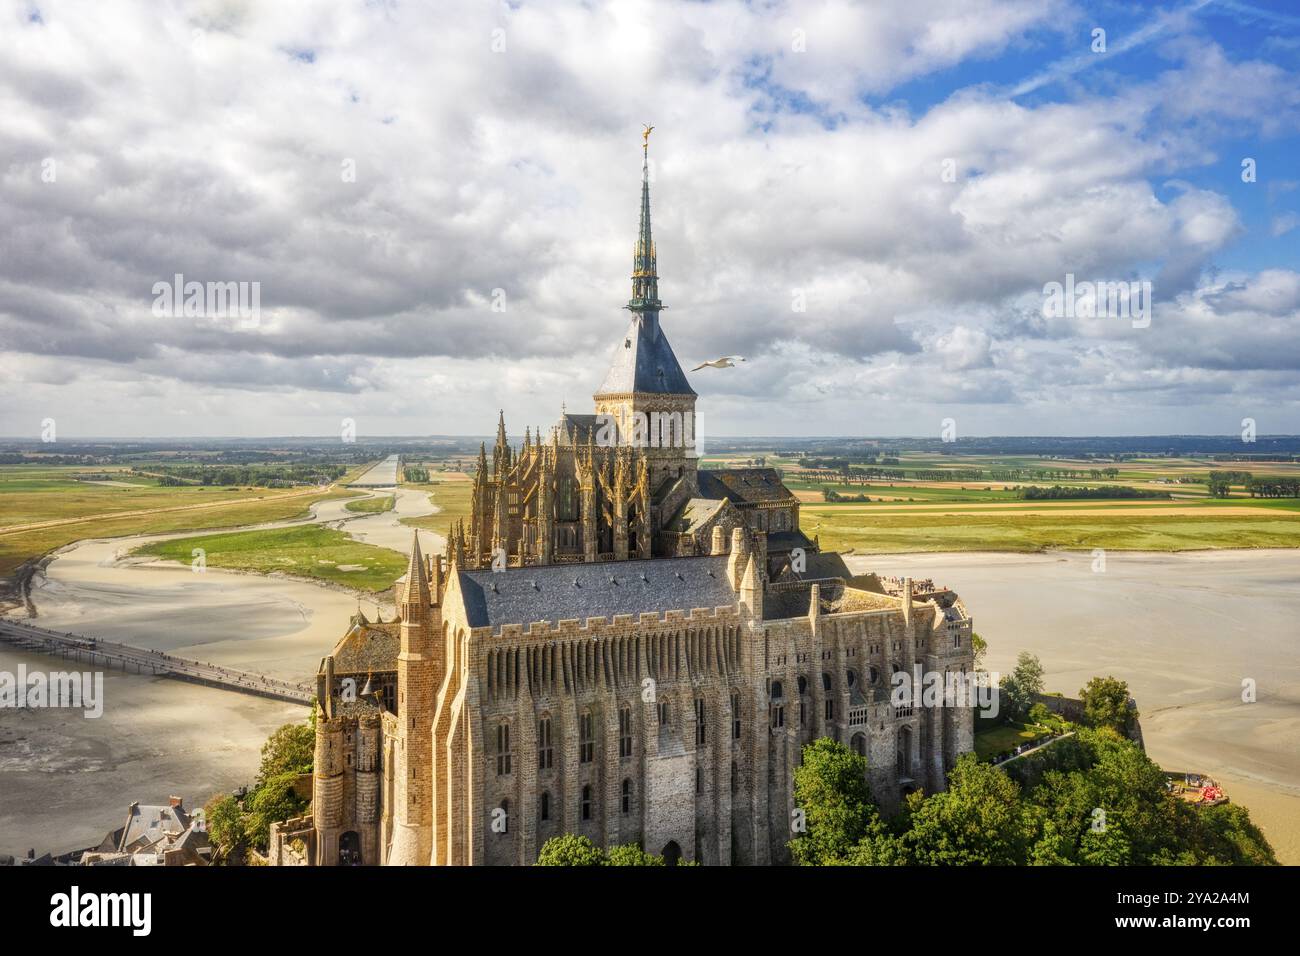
[644, 362]
[578, 427]
[579, 591]
[366, 648]
[744, 486]
[694, 513]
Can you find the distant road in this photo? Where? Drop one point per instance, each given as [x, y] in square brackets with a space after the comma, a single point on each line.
[382, 475]
[109, 654]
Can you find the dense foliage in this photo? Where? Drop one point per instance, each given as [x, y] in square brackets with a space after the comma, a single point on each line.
[571, 850]
[1091, 799]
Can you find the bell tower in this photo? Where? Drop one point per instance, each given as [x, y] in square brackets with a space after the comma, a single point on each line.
[645, 400]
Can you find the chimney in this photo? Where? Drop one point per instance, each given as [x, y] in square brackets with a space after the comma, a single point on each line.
[719, 541]
[907, 603]
[815, 605]
[177, 803]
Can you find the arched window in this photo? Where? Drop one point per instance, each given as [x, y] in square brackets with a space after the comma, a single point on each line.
[826, 681]
[503, 748]
[586, 803]
[777, 690]
[586, 738]
[664, 714]
[873, 675]
[851, 678]
[803, 685]
[545, 752]
[859, 744]
[625, 731]
[627, 795]
[544, 810]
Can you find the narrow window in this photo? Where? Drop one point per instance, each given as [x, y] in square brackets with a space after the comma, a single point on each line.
[625, 732]
[699, 779]
[663, 713]
[545, 753]
[546, 806]
[699, 721]
[586, 739]
[586, 803]
[503, 748]
[735, 716]
[627, 796]
[830, 709]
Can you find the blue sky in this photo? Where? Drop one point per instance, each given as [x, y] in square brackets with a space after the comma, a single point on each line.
[439, 212]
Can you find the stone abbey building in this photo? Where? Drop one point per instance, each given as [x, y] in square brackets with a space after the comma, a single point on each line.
[623, 645]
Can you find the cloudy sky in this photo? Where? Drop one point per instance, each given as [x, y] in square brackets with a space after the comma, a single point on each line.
[438, 202]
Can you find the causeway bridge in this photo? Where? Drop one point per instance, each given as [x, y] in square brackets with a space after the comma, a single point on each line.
[107, 654]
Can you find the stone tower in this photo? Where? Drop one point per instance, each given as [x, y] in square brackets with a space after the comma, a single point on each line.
[645, 391]
[418, 677]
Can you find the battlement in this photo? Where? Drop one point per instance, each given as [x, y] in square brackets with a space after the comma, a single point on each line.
[595, 626]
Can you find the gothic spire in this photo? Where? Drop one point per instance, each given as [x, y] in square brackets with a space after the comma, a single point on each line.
[645, 280]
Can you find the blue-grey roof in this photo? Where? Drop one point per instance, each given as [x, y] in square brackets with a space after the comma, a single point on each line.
[578, 591]
[644, 362]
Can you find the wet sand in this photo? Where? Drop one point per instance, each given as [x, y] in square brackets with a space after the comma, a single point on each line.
[66, 780]
[1183, 629]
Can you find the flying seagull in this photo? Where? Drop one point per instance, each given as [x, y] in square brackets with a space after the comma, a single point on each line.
[727, 361]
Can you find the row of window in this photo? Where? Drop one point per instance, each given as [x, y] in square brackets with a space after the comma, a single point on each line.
[625, 798]
[587, 734]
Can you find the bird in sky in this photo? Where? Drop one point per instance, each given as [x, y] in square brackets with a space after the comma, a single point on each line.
[727, 361]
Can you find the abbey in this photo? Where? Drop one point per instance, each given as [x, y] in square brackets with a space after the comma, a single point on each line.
[621, 644]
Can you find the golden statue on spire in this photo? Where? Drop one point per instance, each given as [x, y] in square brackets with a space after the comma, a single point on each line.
[647, 129]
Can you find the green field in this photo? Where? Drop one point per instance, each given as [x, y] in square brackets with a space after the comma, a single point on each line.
[46, 509]
[310, 551]
[372, 505]
[1117, 528]
[452, 497]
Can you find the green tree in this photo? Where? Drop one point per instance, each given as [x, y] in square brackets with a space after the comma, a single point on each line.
[630, 854]
[1020, 688]
[274, 801]
[225, 825]
[291, 749]
[980, 647]
[570, 850]
[978, 820]
[1105, 704]
[833, 802]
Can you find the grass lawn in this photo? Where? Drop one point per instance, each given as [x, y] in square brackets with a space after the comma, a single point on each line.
[372, 505]
[452, 497]
[989, 743]
[310, 551]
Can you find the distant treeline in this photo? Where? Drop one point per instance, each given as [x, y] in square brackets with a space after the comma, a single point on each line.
[832, 495]
[852, 474]
[266, 476]
[415, 473]
[1265, 486]
[1056, 492]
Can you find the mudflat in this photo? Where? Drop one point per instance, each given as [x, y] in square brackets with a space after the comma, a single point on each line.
[1185, 630]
